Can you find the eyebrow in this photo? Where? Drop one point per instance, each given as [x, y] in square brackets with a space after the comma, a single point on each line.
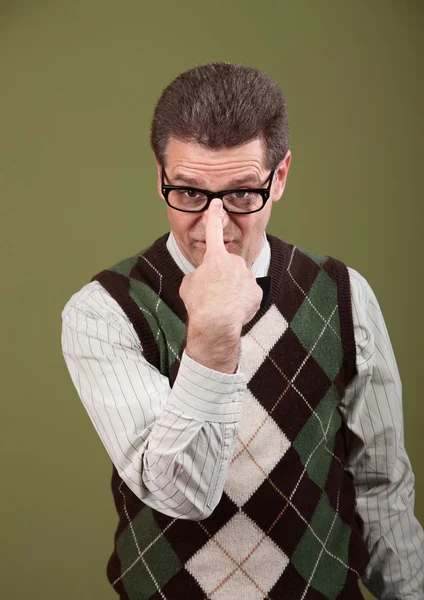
[233, 183]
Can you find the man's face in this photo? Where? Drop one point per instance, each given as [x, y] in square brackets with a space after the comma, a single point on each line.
[214, 170]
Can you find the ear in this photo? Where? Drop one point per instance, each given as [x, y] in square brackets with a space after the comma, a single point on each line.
[159, 177]
[280, 177]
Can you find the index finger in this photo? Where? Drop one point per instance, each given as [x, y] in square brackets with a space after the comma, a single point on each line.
[214, 229]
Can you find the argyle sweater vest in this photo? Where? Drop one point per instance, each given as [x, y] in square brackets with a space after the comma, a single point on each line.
[285, 527]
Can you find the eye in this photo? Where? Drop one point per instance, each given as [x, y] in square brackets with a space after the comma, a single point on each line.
[191, 193]
[238, 195]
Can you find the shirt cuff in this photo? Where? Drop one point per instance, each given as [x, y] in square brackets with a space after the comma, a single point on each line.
[207, 395]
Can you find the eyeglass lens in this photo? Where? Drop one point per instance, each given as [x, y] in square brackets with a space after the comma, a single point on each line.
[239, 201]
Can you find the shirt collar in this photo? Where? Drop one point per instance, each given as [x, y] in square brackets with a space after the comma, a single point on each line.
[259, 267]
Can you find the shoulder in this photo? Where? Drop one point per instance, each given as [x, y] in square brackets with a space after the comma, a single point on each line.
[92, 297]
[359, 287]
[95, 303]
[126, 265]
[296, 253]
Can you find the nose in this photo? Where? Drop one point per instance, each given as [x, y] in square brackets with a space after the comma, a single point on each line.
[225, 216]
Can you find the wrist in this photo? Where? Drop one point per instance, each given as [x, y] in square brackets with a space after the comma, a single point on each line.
[213, 334]
[220, 353]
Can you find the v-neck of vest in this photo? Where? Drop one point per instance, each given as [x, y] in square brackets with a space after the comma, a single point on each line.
[173, 274]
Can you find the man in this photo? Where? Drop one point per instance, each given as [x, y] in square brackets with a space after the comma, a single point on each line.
[246, 390]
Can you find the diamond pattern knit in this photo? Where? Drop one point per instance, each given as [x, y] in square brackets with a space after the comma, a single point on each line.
[286, 525]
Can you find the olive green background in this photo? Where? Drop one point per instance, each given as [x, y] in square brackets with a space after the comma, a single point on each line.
[78, 83]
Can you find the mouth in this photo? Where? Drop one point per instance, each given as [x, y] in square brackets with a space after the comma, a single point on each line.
[204, 241]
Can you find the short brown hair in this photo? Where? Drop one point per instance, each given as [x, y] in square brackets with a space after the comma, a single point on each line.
[218, 105]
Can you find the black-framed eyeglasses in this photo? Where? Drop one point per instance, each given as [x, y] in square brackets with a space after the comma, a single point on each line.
[240, 201]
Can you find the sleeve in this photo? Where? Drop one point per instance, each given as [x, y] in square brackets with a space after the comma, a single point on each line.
[172, 447]
[384, 481]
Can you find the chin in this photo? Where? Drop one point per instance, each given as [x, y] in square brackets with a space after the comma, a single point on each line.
[196, 256]
[195, 253]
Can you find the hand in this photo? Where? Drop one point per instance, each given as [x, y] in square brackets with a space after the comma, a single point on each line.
[220, 297]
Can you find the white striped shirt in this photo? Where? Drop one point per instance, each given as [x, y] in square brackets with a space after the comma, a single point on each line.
[173, 447]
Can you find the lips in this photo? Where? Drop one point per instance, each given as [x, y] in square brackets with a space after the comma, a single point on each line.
[204, 241]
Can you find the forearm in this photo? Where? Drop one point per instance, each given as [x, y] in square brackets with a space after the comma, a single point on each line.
[187, 480]
[393, 535]
[190, 447]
